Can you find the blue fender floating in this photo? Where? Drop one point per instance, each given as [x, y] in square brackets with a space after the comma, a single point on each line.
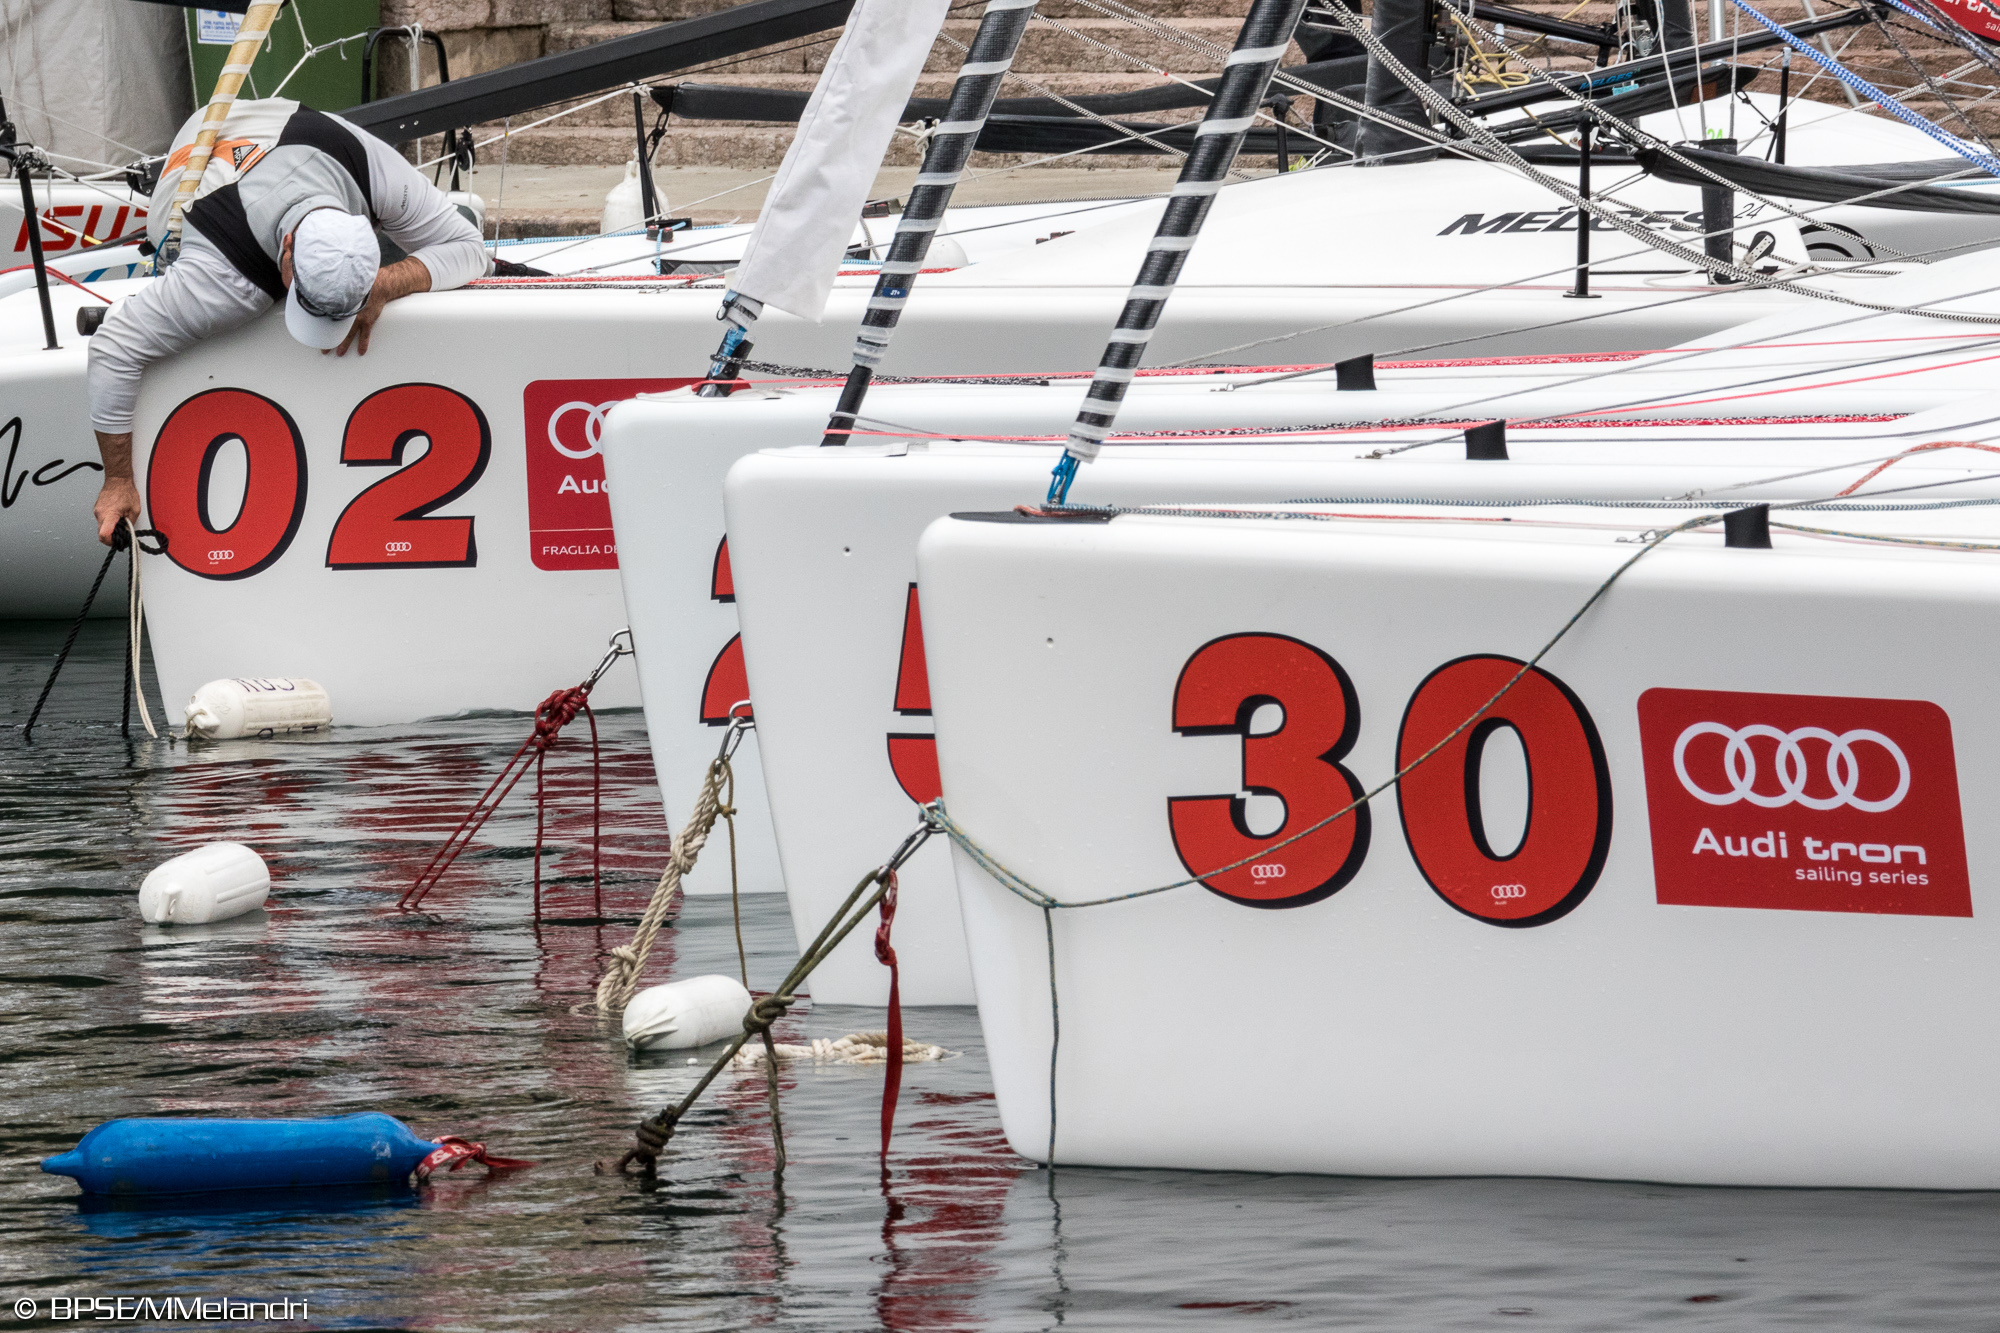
[187, 1156]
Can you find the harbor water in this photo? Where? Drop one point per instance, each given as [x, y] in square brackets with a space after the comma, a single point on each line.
[469, 1019]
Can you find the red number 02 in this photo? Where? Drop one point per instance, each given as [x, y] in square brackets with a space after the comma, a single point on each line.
[1220, 690]
[274, 493]
[388, 526]
[1569, 793]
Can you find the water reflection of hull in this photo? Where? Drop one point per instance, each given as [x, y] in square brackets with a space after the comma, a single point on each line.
[946, 1198]
[226, 1213]
[1095, 1251]
[344, 815]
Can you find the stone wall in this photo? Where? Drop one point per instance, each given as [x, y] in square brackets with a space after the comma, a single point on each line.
[487, 34]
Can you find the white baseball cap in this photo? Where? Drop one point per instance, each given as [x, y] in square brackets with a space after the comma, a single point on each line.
[335, 257]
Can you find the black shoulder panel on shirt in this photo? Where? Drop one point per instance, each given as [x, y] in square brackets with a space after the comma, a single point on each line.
[220, 217]
[316, 129]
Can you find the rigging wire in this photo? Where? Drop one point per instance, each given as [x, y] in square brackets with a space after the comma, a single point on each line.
[1347, 20]
[1655, 401]
[1883, 26]
[1922, 256]
[1671, 356]
[1630, 130]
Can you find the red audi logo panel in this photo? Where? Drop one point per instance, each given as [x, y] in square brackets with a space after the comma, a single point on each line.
[1803, 802]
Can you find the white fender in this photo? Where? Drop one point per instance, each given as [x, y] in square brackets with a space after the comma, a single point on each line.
[211, 883]
[263, 706]
[470, 205]
[624, 206]
[684, 1014]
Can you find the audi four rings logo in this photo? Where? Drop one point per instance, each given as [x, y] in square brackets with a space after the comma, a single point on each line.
[593, 427]
[1843, 767]
[1502, 892]
[1267, 872]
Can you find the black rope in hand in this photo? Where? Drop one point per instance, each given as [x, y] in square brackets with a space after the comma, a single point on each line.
[120, 540]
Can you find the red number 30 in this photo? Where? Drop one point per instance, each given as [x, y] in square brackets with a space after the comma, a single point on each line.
[1220, 690]
[1569, 805]
[1568, 832]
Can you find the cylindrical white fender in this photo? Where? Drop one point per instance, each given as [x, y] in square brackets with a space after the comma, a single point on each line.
[211, 883]
[263, 707]
[470, 206]
[684, 1014]
[624, 207]
[945, 253]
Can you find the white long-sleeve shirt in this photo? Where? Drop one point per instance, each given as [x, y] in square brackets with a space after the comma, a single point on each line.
[202, 294]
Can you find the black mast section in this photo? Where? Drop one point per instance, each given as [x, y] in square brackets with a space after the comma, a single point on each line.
[1260, 45]
[987, 61]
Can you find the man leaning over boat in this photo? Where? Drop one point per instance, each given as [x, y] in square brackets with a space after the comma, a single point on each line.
[288, 211]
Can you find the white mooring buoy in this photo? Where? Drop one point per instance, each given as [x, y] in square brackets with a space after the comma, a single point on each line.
[263, 707]
[684, 1014]
[211, 883]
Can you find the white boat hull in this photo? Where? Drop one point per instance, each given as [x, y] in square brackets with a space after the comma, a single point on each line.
[1656, 1012]
[49, 473]
[74, 216]
[480, 574]
[1281, 273]
[822, 546]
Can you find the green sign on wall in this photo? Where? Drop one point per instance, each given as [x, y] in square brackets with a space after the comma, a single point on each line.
[329, 81]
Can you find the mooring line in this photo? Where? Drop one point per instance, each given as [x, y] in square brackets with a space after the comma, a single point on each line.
[654, 1132]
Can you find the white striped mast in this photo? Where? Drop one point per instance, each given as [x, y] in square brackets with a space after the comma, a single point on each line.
[1260, 45]
[949, 148]
[822, 184]
[250, 35]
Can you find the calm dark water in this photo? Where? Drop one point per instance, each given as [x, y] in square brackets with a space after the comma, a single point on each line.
[459, 1021]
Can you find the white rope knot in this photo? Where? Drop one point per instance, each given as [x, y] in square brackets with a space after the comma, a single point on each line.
[856, 1048]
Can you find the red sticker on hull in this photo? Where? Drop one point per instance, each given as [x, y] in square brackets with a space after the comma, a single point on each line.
[1221, 690]
[913, 758]
[1803, 803]
[1562, 849]
[569, 515]
[1975, 16]
[913, 755]
[727, 685]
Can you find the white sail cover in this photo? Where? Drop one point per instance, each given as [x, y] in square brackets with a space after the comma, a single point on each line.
[97, 81]
[809, 216]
